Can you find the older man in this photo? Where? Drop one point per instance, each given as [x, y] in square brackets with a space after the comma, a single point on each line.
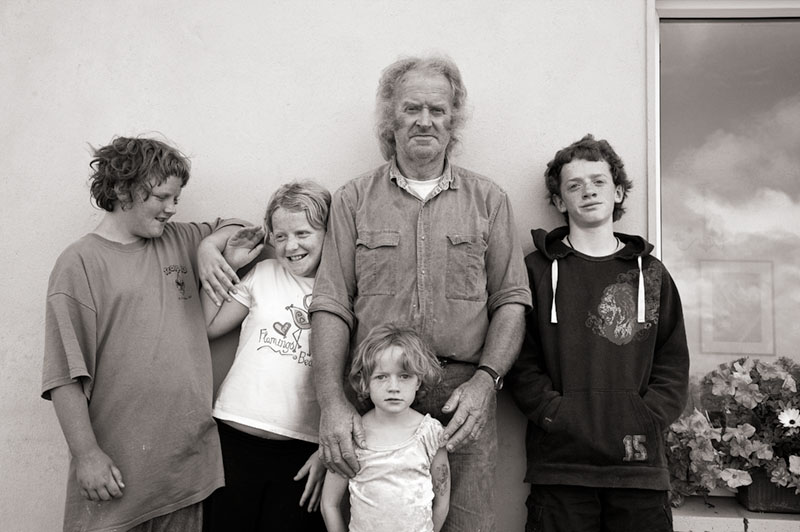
[425, 243]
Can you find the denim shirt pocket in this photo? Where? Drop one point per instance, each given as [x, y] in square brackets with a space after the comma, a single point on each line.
[466, 270]
[376, 262]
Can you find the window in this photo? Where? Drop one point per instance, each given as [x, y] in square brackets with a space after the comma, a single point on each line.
[728, 167]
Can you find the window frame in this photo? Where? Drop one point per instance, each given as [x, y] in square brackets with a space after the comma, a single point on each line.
[686, 9]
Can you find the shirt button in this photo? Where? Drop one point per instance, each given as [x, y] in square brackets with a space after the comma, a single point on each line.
[423, 237]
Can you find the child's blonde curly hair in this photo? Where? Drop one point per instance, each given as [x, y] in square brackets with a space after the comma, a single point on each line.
[418, 358]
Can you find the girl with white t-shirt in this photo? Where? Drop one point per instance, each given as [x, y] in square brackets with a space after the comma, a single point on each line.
[403, 482]
[266, 407]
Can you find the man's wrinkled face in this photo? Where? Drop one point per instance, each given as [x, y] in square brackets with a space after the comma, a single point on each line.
[423, 116]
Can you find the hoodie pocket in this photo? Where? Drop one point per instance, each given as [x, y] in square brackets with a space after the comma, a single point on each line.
[466, 272]
[602, 428]
[376, 262]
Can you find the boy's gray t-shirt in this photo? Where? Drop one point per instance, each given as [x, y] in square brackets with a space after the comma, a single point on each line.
[125, 320]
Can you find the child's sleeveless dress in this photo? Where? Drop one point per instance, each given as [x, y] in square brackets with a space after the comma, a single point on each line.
[393, 491]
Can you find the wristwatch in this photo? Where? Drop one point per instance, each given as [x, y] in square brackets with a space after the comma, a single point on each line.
[498, 380]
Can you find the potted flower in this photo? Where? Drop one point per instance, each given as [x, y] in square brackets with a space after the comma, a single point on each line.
[746, 436]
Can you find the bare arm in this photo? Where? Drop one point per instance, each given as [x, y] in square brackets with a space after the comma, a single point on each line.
[471, 400]
[97, 476]
[332, 492]
[440, 475]
[221, 319]
[315, 471]
[217, 272]
[340, 424]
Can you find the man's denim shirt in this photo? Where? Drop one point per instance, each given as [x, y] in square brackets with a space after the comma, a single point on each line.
[440, 266]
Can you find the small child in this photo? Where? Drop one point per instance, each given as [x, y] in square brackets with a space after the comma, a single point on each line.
[404, 479]
[604, 366]
[266, 407]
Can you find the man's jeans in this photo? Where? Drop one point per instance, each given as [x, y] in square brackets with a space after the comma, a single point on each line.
[472, 466]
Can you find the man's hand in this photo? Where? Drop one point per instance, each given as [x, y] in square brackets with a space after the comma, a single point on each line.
[339, 427]
[98, 477]
[471, 402]
[315, 471]
[244, 246]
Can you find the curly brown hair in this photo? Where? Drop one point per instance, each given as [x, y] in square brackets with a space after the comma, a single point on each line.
[588, 149]
[130, 166]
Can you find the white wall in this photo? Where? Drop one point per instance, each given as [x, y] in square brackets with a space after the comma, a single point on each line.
[258, 93]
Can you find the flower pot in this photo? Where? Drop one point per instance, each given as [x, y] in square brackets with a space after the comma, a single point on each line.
[764, 496]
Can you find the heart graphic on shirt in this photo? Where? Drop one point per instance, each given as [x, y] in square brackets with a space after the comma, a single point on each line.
[282, 328]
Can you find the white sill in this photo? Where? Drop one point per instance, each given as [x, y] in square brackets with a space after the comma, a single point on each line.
[727, 515]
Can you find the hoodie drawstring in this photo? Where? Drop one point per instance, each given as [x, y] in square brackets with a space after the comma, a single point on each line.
[640, 299]
[640, 305]
[554, 276]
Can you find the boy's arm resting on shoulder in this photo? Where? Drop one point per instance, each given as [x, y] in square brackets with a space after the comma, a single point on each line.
[96, 474]
[332, 492]
[440, 475]
[530, 385]
[667, 388]
[223, 252]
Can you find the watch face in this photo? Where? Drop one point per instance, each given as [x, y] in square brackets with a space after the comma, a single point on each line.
[498, 380]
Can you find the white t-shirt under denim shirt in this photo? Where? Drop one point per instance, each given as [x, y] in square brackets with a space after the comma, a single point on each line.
[269, 385]
[423, 189]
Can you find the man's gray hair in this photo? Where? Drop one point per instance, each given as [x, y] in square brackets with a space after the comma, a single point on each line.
[391, 78]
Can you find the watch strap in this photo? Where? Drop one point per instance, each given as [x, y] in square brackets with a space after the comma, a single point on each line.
[498, 380]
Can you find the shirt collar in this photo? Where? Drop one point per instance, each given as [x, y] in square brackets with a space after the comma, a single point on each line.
[447, 182]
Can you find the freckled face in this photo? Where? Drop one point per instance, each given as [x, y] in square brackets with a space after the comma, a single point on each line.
[423, 116]
[587, 193]
[391, 387]
[146, 218]
[298, 245]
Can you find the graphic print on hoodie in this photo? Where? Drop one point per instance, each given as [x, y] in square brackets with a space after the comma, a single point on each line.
[615, 315]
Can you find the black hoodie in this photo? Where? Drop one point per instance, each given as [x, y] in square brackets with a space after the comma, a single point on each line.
[604, 366]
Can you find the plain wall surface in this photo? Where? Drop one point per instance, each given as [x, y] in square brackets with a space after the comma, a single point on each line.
[259, 93]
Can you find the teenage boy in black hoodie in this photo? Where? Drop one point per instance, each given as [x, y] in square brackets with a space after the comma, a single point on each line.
[604, 367]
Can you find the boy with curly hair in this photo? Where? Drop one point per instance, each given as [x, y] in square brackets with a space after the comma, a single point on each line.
[127, 363]
[604, 365]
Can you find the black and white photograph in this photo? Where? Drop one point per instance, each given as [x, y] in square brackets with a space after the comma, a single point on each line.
[419, 266]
